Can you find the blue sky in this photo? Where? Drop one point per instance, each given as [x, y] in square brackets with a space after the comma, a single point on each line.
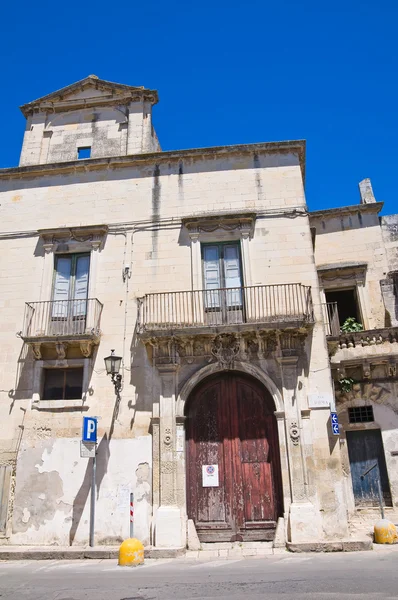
[227, 72]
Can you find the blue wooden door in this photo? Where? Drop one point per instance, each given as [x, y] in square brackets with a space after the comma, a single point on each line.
[365, 449]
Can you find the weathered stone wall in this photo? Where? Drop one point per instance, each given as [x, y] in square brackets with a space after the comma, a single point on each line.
[350, 237]
[108, 131]
[143, 204]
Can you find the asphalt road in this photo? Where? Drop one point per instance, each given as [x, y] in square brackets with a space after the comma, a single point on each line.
[362, 575]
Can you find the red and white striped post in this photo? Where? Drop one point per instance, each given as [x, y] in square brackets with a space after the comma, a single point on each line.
[131, 515]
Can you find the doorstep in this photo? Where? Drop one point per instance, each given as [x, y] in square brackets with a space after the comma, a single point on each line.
[351, 545]
[78, 552]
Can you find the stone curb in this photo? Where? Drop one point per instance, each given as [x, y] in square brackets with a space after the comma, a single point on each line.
[9, 553]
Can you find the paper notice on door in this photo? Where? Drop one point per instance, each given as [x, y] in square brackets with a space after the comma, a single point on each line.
[210, 476]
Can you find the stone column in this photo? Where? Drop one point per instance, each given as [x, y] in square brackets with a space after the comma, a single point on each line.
[245, 237]
[196, 258]
[304, 522]
[168, 527]
[48, 271]
[95, 244]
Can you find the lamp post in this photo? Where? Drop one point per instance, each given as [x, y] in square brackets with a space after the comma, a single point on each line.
[112, 365]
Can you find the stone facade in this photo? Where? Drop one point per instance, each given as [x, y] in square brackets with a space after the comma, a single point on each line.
[142, 217]
[357, 250]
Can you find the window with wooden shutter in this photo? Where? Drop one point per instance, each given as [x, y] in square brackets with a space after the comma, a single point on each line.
[70, 290]
[222, 275]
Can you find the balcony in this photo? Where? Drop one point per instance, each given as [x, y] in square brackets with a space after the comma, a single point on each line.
[226, 309]
[359, 344]
[65, 322]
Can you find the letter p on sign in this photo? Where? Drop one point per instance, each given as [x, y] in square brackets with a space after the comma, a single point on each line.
[89, 429]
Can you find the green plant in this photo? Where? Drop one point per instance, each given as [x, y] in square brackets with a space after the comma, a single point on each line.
[350, 325]
[346, 384]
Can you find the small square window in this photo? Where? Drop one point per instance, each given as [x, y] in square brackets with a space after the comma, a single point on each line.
[63, 384]
[84, 152]
[360, 414]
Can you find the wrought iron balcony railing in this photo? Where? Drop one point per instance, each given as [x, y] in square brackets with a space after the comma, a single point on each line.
[62, 318]
[331, 319]
[262, 304]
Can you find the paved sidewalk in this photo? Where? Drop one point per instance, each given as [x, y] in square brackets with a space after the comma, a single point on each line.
[209, 551]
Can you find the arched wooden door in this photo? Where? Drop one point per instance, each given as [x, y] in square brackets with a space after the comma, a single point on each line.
[231, 424]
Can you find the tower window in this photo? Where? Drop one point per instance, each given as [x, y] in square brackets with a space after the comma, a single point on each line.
[84, 152]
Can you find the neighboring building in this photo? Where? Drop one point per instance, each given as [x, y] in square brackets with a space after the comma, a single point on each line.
[224, 297]
[356, 254]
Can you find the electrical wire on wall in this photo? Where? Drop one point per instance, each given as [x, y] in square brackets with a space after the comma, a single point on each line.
[148, 224]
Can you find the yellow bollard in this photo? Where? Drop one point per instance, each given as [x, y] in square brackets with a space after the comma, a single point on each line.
[131, 553]
[385, 532]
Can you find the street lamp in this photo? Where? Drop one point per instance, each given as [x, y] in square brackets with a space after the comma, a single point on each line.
[112, 365]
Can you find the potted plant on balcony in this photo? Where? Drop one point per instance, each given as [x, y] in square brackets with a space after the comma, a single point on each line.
[351, 325]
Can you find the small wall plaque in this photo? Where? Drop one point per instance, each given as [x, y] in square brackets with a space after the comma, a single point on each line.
[319, 400]
[210, 476]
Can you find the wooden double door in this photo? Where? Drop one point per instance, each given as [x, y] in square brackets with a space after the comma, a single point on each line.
[231, 428]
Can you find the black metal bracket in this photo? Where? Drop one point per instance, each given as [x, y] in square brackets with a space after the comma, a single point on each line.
[117, 383]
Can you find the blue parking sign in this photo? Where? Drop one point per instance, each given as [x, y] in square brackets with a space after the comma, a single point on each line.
[335, 423]
[89, 429]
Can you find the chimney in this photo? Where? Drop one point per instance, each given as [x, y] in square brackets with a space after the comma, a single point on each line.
[366, 191]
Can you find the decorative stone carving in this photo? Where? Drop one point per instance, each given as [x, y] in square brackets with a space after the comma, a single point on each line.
[294, 433]
[167, 467]
[36, 348]
[86, 348]
[292, 343]
[225, 348]
[164, 350]
[60, 348]
[241, 222]
[86, 234]
[365, 338]
[48, 247]
[185, 347]
[366, 370]
[370, 391]
[167, 439]
[156, 461]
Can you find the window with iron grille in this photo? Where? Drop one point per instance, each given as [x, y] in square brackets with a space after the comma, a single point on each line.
[360, 414]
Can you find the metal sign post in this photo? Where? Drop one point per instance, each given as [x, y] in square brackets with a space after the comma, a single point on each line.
[92, 499]
[131, 515]
[89, 438]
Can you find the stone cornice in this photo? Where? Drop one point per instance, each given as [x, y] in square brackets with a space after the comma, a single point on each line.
[116, 93]
[80, 231]
[342, 266]
[330, 213]
[244, 222]
[119, 162]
